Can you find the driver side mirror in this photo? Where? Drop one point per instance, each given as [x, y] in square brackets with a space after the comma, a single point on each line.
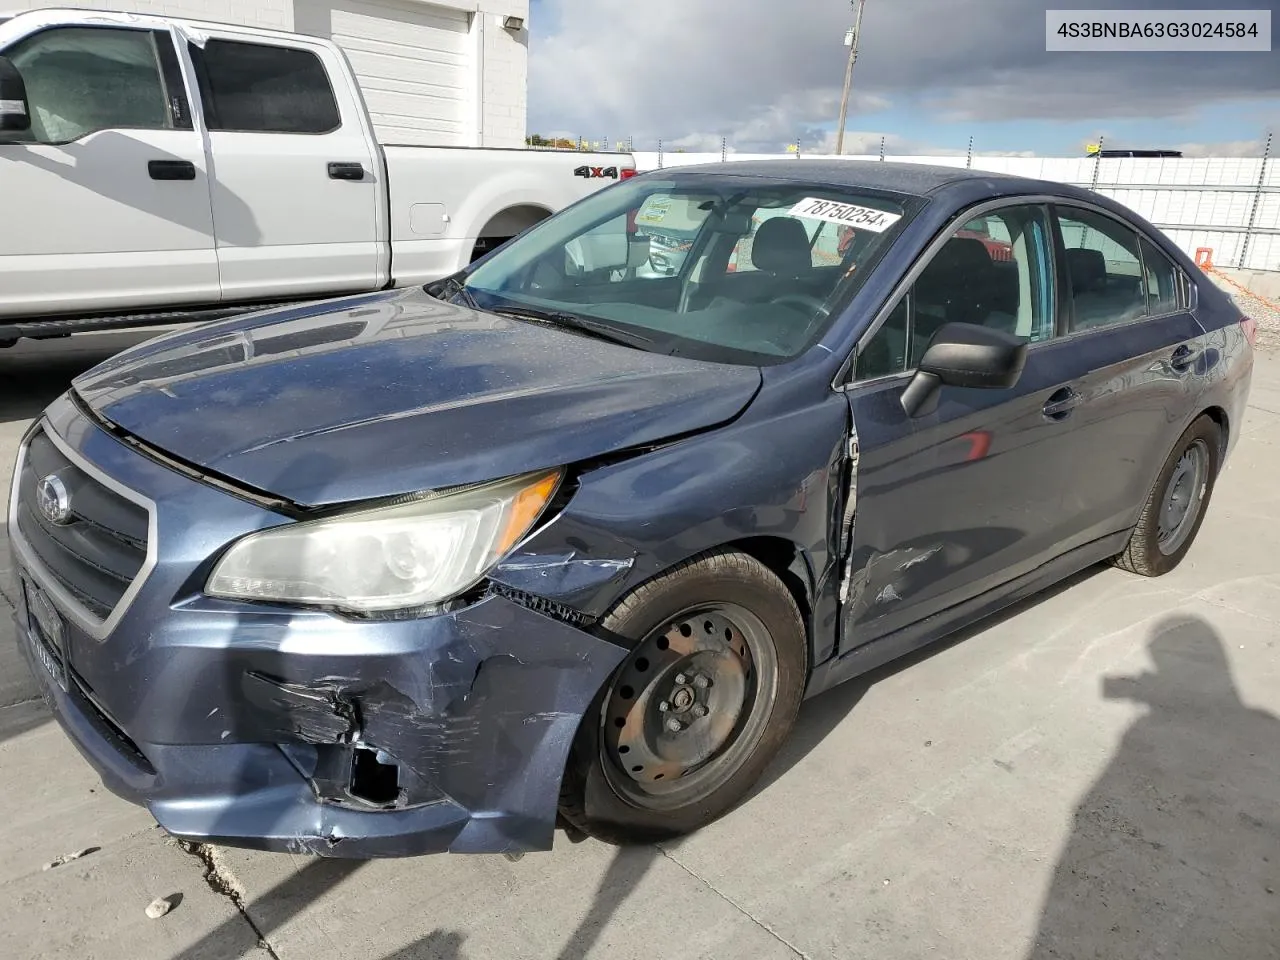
[15, 117]
[964, 355]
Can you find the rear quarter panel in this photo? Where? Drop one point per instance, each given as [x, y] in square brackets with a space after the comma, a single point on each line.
[1226, 368]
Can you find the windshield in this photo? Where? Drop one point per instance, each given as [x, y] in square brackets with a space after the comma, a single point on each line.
[715, 267]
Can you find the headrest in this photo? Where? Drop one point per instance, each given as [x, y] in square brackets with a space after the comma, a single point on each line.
[1088, 269]
[961, 263]
[965, 253]
[781, 245]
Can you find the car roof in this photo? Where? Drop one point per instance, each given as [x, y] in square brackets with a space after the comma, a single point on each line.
[911, 178]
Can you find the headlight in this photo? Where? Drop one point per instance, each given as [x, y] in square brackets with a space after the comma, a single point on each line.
[391, 558]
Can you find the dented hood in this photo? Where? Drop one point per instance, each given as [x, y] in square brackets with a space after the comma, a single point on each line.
[397, 392]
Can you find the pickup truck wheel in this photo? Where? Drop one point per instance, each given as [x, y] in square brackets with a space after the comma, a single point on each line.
[1174, 509]
[485, 245]
[692, 717]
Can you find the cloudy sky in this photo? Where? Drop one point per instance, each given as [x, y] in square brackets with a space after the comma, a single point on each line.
[930, 73]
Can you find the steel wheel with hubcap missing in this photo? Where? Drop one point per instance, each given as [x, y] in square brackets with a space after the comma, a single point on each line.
[699, 707]
[689, 703]
[1182, 497]
[1175, 506]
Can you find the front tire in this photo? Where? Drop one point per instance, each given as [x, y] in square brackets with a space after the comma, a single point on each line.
[1175, 507]
[689, 721]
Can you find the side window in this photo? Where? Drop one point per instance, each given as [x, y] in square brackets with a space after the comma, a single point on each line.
[84, 79]
[886, 352]
[995, 271]
[1161, 280]
[832, 244]
[1104, 267]
[256, 88]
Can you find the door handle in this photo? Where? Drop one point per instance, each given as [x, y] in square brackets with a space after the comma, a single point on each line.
[346, 171]
[171, 169]
[1184, 357]
[1061, 403]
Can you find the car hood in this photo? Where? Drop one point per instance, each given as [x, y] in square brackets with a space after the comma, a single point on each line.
[397, 392]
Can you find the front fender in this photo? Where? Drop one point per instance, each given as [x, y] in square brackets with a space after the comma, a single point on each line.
[632, 520]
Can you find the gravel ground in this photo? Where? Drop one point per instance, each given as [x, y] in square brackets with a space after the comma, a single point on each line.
[1266, 312]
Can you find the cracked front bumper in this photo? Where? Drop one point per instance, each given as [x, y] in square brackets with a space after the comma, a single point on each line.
[483, 748]
[237, 723]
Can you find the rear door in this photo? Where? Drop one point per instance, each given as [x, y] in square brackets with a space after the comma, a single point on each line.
[1130, 356]
[961, 499]
[105, 201]
[297, 183]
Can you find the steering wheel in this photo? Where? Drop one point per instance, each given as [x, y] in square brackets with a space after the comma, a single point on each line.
[813, 304]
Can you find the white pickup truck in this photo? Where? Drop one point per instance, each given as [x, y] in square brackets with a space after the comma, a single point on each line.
[154, 169]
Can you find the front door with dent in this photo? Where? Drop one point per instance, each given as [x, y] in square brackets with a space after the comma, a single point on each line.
[958, 500]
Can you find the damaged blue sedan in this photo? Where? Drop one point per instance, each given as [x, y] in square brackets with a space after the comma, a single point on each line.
[565, 539]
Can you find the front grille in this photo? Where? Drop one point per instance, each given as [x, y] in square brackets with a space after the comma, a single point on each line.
[101, 548]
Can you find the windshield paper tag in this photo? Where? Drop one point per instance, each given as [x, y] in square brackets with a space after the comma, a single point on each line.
[849, 214]
[13, 107]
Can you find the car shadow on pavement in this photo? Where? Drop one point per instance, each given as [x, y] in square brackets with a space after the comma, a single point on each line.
[19, 718]
[1175, 850]
[626, 870]
[273, 909]
[34, 374]
[437, 945]
[820, 716]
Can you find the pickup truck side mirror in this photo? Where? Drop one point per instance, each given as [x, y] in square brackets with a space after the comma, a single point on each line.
[964, 355]
[15, 116]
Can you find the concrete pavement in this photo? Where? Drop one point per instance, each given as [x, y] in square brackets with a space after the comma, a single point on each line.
[1095, 773]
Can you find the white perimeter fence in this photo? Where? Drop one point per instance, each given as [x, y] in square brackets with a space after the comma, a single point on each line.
[1229, 206]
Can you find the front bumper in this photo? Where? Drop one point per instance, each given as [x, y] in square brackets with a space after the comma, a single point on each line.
[246, 725]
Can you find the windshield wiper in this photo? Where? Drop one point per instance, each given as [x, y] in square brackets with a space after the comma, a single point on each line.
[451, 287]
[581, 324]
[459, 289]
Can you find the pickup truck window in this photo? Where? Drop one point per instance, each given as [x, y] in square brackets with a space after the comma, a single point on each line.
[262, 88]
[84, 79]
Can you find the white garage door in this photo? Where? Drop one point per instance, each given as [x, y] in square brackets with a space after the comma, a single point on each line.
[415, 65]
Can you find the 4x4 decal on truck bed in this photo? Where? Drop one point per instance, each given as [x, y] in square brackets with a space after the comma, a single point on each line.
[595, 172]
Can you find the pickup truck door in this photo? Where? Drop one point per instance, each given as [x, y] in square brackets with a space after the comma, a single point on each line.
[105, 201]
[299, 192]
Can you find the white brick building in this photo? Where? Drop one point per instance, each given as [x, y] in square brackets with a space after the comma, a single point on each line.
[445, 72]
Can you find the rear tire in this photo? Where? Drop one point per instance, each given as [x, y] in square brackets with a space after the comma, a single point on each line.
[689, 721]
[1175, 508]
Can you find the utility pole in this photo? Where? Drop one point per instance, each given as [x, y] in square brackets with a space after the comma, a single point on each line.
[851, 38]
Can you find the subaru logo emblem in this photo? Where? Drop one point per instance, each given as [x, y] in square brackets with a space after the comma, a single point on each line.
[53, 499]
